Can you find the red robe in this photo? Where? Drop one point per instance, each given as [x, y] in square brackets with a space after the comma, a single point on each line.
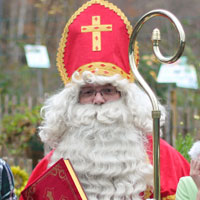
[172, 167]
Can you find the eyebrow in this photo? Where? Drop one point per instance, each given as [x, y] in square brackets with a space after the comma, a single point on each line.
[93, 87]
[86, 88]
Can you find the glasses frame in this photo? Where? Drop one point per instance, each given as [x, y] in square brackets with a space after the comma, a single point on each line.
[94, 91]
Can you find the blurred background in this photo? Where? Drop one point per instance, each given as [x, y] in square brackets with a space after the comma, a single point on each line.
[41, 22]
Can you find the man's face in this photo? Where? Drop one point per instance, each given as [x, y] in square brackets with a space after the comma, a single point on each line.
[98, 94]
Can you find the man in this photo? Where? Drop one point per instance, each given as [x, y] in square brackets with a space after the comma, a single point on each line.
[102, 120]
[6, 182]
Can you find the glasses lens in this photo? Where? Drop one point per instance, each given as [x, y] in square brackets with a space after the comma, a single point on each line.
[87, 93]
[108, 91]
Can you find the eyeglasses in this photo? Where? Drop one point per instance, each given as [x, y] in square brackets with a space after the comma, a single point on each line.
[106, 92]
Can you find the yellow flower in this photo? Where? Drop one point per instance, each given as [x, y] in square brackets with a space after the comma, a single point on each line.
[20, 178]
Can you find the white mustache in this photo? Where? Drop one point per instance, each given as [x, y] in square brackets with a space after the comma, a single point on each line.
[109, 113]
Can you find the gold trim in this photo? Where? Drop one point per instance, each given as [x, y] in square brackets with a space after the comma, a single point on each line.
[96, 26]
[63, 40]
[93, 28]
[104, 69]
[170, 197]
[75, 179]
[96, 41]
[147, 193]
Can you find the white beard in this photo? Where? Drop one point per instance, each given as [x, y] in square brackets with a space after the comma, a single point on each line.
[106, 150]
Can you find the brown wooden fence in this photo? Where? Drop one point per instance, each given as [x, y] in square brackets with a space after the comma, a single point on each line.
[182, 121]
[188, 120]
[8, 103]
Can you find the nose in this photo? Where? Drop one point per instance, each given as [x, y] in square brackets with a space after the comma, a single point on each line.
[98, 99]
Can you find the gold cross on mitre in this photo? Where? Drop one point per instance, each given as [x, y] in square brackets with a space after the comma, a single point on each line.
[96, 28]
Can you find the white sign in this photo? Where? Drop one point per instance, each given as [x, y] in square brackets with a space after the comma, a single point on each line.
[183, 75]
[37, 56]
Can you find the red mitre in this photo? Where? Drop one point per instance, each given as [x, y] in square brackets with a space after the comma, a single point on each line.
[96, 39]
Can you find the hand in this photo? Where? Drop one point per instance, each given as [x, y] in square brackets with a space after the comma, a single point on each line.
[195, 172]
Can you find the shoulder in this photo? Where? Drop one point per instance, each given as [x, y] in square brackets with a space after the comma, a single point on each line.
[3, 164]
[5, 170]
[186, 189]
[186, 181]
[40, 168]
[170, 159]
[167, 151]
[173, 160]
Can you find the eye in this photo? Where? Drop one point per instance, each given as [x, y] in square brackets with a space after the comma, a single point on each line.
[87, 92]
[109, 90]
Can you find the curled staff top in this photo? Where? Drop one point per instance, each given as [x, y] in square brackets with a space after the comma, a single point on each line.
[158, 54]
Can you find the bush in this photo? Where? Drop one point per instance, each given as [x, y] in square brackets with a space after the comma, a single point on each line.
[19, 129]
[184, 144]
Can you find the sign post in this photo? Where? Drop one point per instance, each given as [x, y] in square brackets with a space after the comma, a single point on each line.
[182, 75]
[37, 57]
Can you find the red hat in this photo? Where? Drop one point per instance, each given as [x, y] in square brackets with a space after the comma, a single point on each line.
[96, 39]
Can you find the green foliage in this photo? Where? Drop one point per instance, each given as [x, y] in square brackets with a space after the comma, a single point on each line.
[19, 129]
[5, 81]
[149, 68]
[184, 144]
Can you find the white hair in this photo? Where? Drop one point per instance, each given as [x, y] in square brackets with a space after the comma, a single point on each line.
[106, 144]
[135, 98]
[195, 150]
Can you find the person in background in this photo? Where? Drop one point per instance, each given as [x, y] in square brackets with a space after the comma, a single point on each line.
[189, 186]
[6, 182]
